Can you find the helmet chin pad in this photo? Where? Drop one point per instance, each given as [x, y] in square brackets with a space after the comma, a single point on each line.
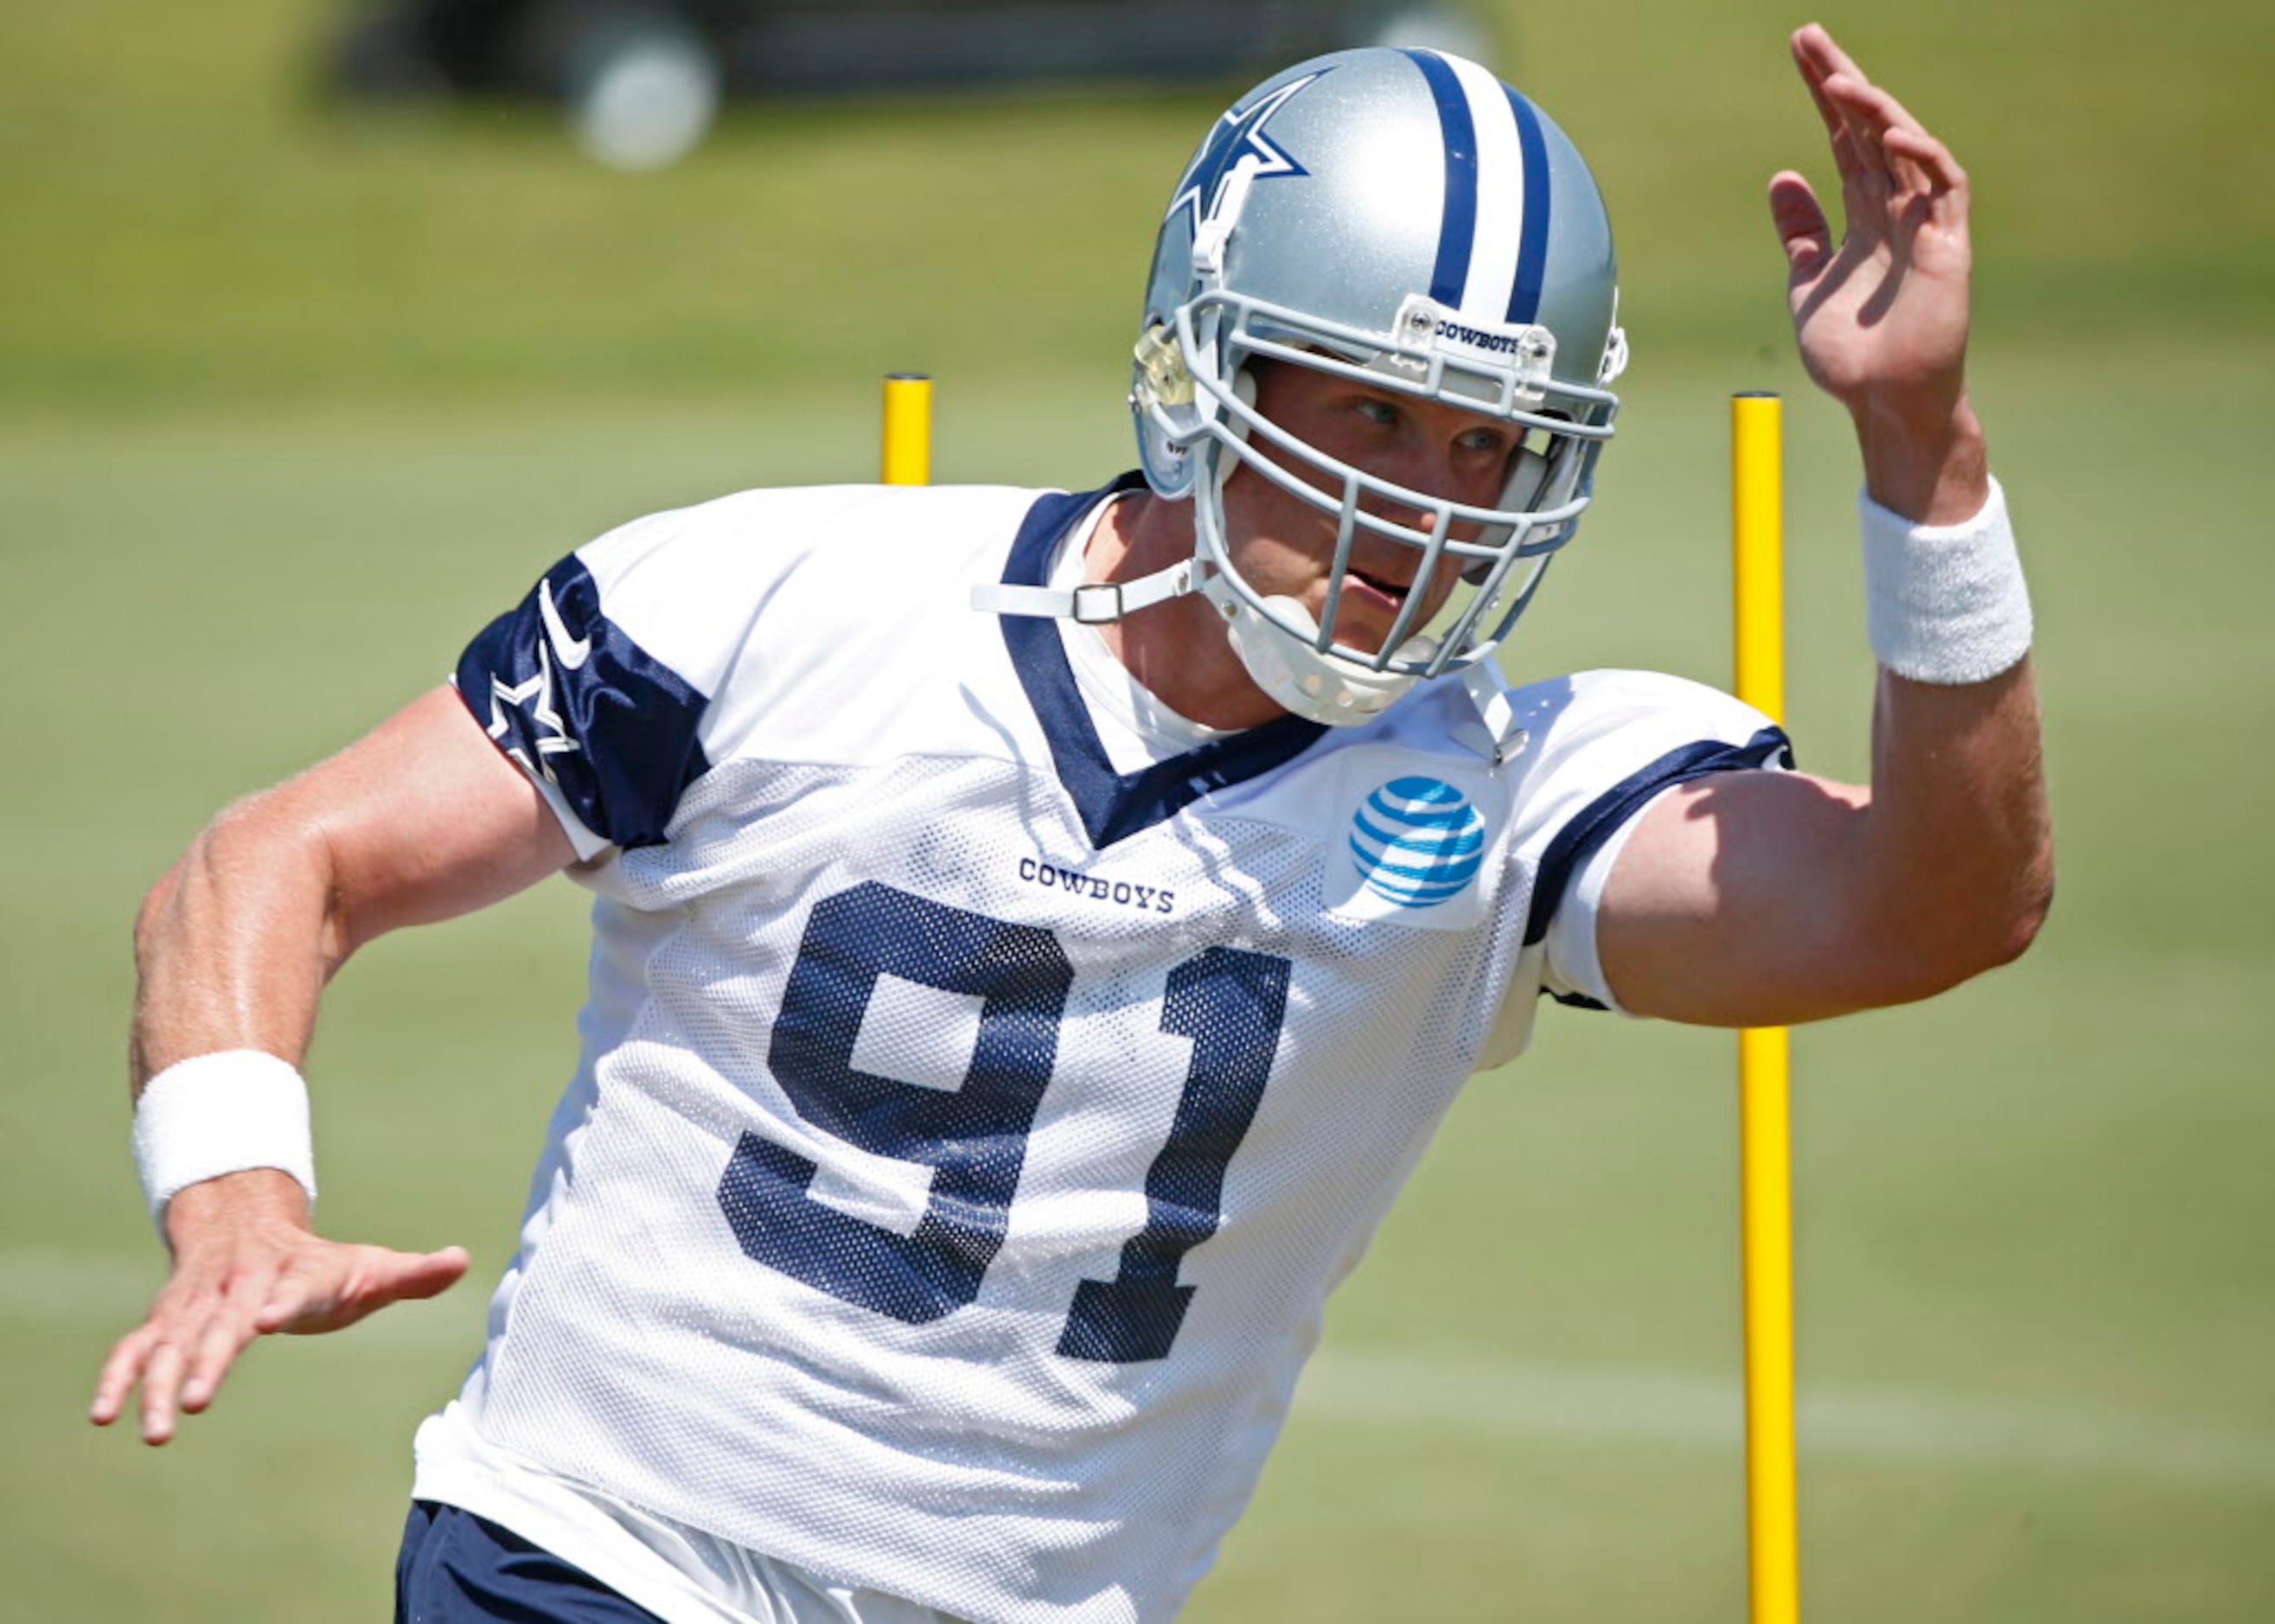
[1274, 645]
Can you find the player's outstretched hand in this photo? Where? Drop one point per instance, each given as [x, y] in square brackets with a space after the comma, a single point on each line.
[1882, 315]
[246, 1264]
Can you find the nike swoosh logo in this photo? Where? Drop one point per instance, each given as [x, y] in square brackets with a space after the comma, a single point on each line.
[571, 652]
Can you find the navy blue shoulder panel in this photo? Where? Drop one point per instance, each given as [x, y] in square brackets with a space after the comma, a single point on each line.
[1600, 819]
[567, 694]
[1115, 806]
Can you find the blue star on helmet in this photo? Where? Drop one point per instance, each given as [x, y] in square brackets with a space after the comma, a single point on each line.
[1238, 139]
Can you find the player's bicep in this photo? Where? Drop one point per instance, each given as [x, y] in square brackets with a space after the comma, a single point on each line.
[424, 818]
[1734, 901]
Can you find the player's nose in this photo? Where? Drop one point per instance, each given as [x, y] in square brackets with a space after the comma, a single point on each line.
[1416, 488]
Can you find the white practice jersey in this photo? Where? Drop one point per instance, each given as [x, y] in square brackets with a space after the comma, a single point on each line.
[979, 1099]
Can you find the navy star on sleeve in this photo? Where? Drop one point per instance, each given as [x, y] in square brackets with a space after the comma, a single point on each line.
[609, 732]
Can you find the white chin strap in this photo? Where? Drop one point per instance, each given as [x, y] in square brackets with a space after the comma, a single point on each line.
[1277, 653]
[1093, 603]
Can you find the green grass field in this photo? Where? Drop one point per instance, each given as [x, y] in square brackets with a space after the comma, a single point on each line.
[288, 406]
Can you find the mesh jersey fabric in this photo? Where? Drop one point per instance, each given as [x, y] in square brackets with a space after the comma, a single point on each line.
[966, 1134]
[679, 1573]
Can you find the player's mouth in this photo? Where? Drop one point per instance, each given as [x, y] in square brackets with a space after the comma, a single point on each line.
[1382, 592]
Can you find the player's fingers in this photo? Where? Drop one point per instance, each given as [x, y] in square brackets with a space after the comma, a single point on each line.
[162, 1380]
[118, 1375]
[1910, 183]
[1930, 188]
[1801, 222]
[420, 1275]
[1813, 74]
[1876, 111]
[1858, 125]
[1886, 137]
[383, 1277]
[1917, 145]
[360, 1280]
[210, 1356]
[1816, 44]
[178, 1301]
[183, 1299]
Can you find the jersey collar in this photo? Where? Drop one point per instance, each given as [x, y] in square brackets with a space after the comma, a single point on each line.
[1114, 805]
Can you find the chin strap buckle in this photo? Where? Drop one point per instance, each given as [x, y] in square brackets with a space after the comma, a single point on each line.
[1093, 603]
[1505, 739]
[1098, 602]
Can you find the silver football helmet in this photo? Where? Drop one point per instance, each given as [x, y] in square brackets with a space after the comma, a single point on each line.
[1404, 218]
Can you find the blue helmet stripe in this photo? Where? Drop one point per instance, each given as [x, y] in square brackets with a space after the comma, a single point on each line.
[1532, 255]
[1457, 228]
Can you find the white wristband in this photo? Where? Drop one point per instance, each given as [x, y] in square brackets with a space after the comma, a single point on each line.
[220, 1114]
[1944, 603]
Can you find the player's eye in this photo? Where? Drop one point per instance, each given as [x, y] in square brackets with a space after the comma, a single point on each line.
[1375, 410]
[1490, 442]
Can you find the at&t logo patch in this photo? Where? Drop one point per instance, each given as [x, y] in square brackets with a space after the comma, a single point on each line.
[1418, 841]
[1412, 839]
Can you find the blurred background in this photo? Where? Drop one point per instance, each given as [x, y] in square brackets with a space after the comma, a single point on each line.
[323, 332]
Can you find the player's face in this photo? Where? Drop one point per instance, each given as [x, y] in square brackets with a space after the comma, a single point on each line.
[1284, 545]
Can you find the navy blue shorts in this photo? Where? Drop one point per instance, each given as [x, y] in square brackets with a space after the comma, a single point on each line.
[457, 1568]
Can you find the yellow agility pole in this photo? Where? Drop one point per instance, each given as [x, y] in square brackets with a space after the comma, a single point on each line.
[1765, 1131]
[908, 428]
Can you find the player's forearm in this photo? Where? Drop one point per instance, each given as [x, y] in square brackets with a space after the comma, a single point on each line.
[420, 821]
[234, 944]
[1959, 844]
[1958, 849]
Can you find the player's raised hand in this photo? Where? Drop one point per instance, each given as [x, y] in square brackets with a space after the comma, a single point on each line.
[246, 1264]
[1882, 315]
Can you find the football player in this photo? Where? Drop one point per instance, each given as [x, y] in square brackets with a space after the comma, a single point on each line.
[1006, 1027]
